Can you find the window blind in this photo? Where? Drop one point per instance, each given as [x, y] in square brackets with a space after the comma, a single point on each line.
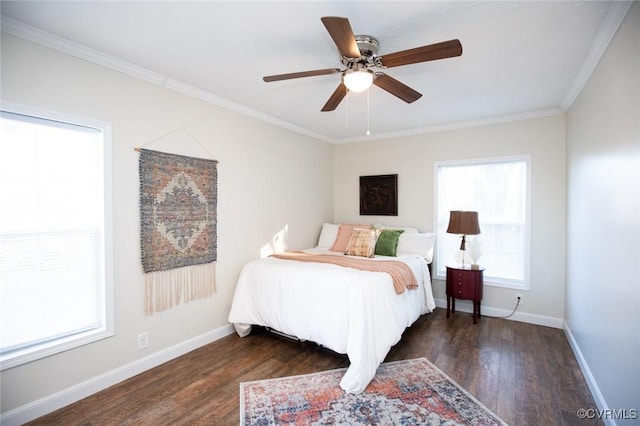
[498, 190]
[52, 233]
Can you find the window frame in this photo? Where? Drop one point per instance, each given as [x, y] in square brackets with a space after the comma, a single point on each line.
[36, 352]
[526, 252]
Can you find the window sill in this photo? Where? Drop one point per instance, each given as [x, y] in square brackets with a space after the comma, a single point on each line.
[493, 282]
[35, 353]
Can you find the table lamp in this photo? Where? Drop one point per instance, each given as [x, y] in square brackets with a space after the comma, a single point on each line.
[463, 223]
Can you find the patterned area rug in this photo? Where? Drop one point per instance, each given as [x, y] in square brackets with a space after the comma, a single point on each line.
[411, 392]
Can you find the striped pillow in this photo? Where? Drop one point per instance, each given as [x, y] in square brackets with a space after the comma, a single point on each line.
[362, 243]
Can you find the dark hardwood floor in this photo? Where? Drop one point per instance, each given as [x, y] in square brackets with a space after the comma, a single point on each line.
[526, 374]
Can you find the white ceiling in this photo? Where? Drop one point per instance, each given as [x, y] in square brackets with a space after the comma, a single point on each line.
[519, 60]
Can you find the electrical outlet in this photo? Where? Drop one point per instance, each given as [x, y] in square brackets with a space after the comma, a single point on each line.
[143, 340]
[520, 299]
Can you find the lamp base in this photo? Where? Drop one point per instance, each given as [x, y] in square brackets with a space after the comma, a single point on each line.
[463, 258]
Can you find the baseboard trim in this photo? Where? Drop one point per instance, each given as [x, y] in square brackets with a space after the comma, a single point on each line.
[48, 404]
[586, 371]
[465, 306]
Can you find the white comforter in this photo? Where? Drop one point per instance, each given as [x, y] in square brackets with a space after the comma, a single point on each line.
[349, 311]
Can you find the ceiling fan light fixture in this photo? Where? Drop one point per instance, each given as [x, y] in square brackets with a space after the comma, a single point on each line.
[358, 53]
[357, 81]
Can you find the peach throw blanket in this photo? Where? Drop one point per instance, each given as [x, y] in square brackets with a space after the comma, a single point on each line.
[400, 272]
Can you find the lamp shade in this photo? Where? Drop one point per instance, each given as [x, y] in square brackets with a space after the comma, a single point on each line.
[463, 223]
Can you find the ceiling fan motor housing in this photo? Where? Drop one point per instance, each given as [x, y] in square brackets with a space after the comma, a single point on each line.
[368, 46]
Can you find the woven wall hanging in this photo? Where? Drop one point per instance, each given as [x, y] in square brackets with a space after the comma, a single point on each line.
[178, 215]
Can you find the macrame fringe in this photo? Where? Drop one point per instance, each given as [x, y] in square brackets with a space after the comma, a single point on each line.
[166, 289]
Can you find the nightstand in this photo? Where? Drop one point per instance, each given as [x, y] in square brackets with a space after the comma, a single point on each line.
[464, 284]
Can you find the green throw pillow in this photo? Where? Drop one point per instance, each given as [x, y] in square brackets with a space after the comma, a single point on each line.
[388, 242]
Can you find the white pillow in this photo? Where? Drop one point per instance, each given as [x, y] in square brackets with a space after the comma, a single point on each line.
[403, 228]
[421, 244]
[328, 235]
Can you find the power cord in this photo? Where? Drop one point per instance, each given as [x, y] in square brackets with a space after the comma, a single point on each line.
[512, 312]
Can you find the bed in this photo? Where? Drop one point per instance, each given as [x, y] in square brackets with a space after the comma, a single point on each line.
[351, 310]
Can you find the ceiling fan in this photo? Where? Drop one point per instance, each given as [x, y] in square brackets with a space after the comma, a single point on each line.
[359, 53]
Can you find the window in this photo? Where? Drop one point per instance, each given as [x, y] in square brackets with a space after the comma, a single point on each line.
[498, 189]
[55, 255]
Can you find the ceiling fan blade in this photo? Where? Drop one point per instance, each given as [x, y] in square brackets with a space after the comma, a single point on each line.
[335, 98]
[442, 50]
[340, 31]
[289, 76]
[396, 88]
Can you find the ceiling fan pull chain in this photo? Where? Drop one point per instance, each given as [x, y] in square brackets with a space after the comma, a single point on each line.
[368, 121]
[346, 115]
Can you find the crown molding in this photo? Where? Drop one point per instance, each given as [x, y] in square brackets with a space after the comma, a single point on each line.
[35, 35]
[195, 92]
[609, 27]
[457, 125]
[617, 11]
[46, 39]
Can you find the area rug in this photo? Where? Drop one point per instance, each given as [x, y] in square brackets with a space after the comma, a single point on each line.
[411, 392]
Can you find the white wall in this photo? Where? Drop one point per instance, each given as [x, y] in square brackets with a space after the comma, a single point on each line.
[603, 256]
[412, 158]
[269, 178]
